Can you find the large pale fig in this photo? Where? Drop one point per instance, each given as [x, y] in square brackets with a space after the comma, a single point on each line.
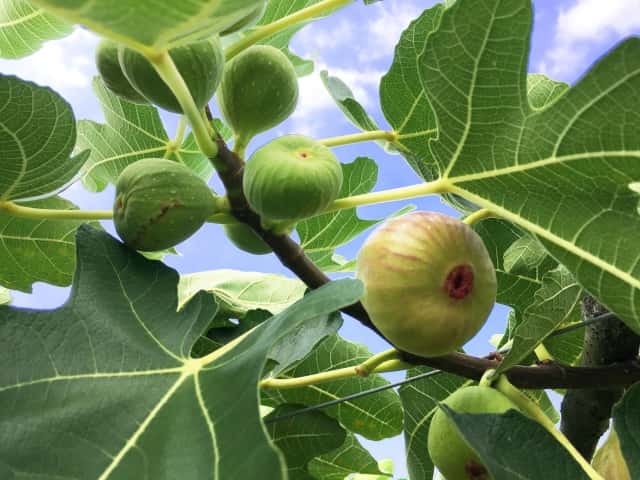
[159, 203]
[259, 90]
[112, 75]
[200, 64]
[429, 282]
[291, 178]
[243, 237]
[248, 21]
[447, 449]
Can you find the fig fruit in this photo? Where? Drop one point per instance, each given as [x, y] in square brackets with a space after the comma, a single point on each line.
[248, 21]
[200, 64]
[259, 90]
[112, 74]
[291, 178]
[454, 458]
[159, 203]
[429, 282]
[243, 237]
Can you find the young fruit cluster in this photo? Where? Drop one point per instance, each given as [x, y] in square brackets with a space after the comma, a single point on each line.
[159, 203]
[447, 449]
[429, 282]
[130, 75]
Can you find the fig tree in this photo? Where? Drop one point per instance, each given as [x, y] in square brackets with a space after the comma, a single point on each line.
[200, 64]
[291, 178]
[454, 458]
[159, 203]
[248, 21]
[112, 75]
[429, 282]
[259, 90]
[243, 237]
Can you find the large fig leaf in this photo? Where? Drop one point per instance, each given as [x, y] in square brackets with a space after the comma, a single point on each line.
[132, 132]
[541, 169]
[152, 24]
[37, 137]
[5, 296]
[351, 457]
[104, 386]
[23, 28]
[37, 250]
[626, 420]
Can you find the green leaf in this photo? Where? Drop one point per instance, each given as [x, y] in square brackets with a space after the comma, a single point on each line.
[240, 292]
[542, 91]
[375, 416]
[347, 102]
[420, 400]
[541, 169]
[626, 421]
[37, 137]
[132, 132]
[538, 455]
[23, 28]
[557, 302]
[350, 457]
[152, 25]
[5, 296]
[303, 437]
[129, 389]
[526, 256]
[37, 250]
[322, 234]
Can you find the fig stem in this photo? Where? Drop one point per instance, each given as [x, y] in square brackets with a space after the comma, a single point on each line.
[369, 365]
[373, 135]
[264, 31]
[166, 68]
[332, 375]
[488, 378]
[477, 216]
[21, 211]
[543, 354]
[530, 408]
[175, 144]
[402, 193]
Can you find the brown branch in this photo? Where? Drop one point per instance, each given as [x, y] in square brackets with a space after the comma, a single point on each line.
[294, 258]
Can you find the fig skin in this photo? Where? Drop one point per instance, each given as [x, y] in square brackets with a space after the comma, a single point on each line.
[291, 178]
[259, 90]
[160, 203]
[112, 74]
[243, 237]
[250, 20]
[447, 448]
[200, 63]
[429, 282]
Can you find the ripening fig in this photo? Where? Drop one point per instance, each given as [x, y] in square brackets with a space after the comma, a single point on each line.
[429, 282]
[447, 448]
[291, 178]
[159, 203]
[243, 237]
[112, 75]
[259, 90]
[200, 64]
[248, 21]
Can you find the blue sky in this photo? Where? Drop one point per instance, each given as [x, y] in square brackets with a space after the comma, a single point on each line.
[357, 46]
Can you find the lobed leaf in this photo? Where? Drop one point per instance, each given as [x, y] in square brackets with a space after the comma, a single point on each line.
[351, 457]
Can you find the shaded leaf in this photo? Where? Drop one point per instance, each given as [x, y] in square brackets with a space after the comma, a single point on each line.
[350, 457]
[626, 421]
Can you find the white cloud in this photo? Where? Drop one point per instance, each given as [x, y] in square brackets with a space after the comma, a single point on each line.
[586, 25]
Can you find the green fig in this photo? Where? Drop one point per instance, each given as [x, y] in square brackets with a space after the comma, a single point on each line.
[453, 457]
[159, 203]
[200, 64]
[291, 178]
[243, 237]
[259, 90]
[429, 282]
[112, 75]
[248, 21]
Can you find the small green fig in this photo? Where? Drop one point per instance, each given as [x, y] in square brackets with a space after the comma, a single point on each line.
[291, 178]
[429, 282]
[247, 21]
[200, 64]
[112, 75]
[159, 203]
[243, 237]
[449, 452]
[259, 90]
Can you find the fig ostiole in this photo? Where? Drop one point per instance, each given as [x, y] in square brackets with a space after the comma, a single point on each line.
[259, 90]
[200, 64]
[112, 75]
[453, 457]
[429, 282]
[248, 21]
[291, 178]
[160, 203]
